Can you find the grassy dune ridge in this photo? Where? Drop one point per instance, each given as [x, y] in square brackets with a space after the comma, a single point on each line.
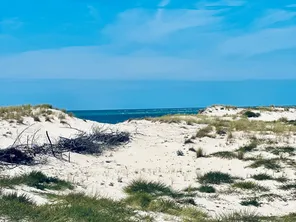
[259, 140]
[143, 196]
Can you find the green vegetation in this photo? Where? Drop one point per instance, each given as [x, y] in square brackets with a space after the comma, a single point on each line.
[22, 198]
[45, 106]
[36, 118]
[271, 164]
[187, 141]
[248, 185]
[151, 188]
[239, 216]
[288, 186]
[149, 196]
[180, 153]
[206, 189]
[215, 177]
[47, 119]
[249, 148]
[172, 208]
[225, 155]
[16, 113]
[188, 119]
[287, 218]
[281, 150]
[251, 202]
[37, 180]
[243, 124]
[72, 207]
[265, 108]
[262, 176]
[251, 114]
[139, 200]
[200, 153]
[270, 197]
[63, 122]
[281, 179]
[204, 132]
[61, 116]
[191, 189]
[240, 155]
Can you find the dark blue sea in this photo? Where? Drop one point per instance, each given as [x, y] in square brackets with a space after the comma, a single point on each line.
[117, 116]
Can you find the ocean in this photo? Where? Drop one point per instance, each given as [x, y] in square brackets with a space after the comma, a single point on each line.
[117, 116]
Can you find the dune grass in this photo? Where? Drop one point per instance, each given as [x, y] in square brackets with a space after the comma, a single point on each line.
[262, 176]
[242, 124]
[37, 180]
[250, 202]
[272, 164]
[72, 207]
[151, 188]
[216, 177]
[225, 155]
[249, 148]
[249, 185]
[172, 208]
[206, 189]
[78, 207]
[149, 196]
[22, 198]
[190, 189]
[265, 176]
[17, 113]
[281, 150]
[239, 216]
[200, 153]
[251, 114]
[290, 186]
[177, 118]
[287, 218]
[204, 132]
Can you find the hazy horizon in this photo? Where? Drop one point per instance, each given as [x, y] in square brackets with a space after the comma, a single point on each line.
[136, 94]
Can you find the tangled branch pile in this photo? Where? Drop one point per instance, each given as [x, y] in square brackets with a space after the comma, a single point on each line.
[94, 143]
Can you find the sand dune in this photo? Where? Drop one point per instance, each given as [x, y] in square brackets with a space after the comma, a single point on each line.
[152, 155]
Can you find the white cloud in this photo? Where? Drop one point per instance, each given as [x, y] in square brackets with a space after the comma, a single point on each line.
[141, 25]
[291, 6]
[9, 24]
[93, 12]
[274, 16]
[94, 63]
[148, 44]
[263, 41]
[164, 3]
[221, 3]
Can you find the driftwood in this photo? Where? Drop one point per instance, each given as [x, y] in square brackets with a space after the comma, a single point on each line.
[94, 143]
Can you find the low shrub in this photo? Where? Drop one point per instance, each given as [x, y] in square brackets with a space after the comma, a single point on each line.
[215, 177]
[204, 132]
[206, 189]
[251, 114]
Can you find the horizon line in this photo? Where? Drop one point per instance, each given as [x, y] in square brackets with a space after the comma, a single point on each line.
[152, 80]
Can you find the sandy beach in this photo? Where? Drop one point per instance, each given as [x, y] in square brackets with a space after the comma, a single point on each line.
[165, 150]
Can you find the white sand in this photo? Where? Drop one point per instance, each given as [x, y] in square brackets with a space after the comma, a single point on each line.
[152, 155]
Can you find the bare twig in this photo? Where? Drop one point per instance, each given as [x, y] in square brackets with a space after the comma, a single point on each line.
[20, 134]
[52, 150]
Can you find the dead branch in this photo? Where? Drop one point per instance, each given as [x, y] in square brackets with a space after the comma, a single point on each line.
[94, 143]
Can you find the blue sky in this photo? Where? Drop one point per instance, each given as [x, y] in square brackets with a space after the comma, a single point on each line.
[139, 40]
